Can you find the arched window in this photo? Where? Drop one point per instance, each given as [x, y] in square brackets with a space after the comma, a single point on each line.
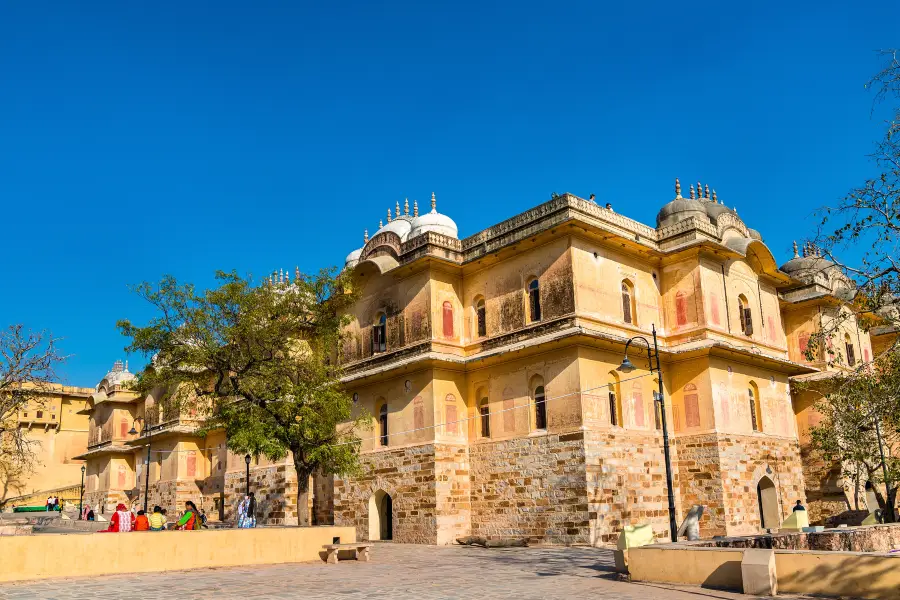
[534, 300]
[379, 334]
[448, 319]
[540, 408]
[755, 415]
[480, 317]
[745, 315]
[851, 352]
[615, 402]
[485, 412]
[629, 314]
[383, 424]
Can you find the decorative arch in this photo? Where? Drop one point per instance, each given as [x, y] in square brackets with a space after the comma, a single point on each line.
[451, 427]
[851, 351]
[616, 417]
[767, 498]
[381, 516]
[383, 434]
[637, 399]
[629, 303]
[379, 332]
[691, 399]
[539, 399]
[447, 317]
[533, 293]
[480, 317]
[745, 314]
[755, 406]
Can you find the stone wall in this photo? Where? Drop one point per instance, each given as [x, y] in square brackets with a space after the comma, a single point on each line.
[531, 487]
[275, 489]
[453, 492]
[626, 483]
[721, 471]
[698, 480]
[744, 461]
[408, 476]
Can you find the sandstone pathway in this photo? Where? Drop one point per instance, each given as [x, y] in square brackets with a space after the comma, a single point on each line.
[396, 571]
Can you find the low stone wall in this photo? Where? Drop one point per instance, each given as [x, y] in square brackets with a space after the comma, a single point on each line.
[874, 576]
[37, 556]
[871, 538]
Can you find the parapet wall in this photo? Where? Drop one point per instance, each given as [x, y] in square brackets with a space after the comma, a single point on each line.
[37, 556]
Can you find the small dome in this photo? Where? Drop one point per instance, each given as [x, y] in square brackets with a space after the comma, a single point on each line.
[755, 234]
[680, 209]
[399, 226]
[434, 221]
[352, 258]
[714, 210]
[801, 265]
[119, 374]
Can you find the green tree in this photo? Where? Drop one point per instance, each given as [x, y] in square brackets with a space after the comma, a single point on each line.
[258, 361]
[866, 222]
[860, 424]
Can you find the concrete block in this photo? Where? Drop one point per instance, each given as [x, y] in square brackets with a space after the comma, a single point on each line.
[796, 522]
[758, 572]
[814, 529]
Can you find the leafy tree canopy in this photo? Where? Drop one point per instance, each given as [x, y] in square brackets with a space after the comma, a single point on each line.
[258, 361]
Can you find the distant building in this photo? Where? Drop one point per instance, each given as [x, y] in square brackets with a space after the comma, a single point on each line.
[59, 427]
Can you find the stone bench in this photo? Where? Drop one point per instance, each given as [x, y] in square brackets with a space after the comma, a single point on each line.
[361, 550]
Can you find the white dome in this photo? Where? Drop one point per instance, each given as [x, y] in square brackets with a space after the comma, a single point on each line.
[399, 226]
[434, 221]
[352, 258]
[119, 374]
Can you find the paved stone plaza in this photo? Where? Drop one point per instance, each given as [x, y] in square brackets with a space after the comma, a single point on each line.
[396, 571]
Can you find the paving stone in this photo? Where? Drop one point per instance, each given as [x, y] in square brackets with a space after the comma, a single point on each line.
[396, 571]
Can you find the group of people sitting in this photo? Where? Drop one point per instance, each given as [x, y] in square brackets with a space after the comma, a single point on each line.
[124, 520]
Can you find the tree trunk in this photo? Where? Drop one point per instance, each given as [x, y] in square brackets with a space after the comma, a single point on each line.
[303, 475]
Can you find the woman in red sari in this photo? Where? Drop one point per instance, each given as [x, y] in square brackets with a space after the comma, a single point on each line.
[122, 520]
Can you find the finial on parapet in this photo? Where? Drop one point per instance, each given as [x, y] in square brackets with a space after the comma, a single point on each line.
[714, 198]
[433, 203]
[415, 208]
[126, 366]
[296, 274]
[706, 192]
[406, 207]
[796, 254]
[287, 276]
[280, 275]
[366, 236]
[397, 211]
[734, 209]
[380, 223]
[389, 215]
[692, 192]
[677, 189]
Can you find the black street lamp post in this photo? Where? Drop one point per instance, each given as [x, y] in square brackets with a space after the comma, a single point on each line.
[144, 430]
[247, 462]
[627, 367]
[81, 497]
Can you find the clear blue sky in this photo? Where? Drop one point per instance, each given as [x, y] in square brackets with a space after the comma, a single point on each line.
[144, 138]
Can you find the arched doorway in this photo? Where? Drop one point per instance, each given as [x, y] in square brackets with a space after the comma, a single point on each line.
[767, 496]
[381, 520]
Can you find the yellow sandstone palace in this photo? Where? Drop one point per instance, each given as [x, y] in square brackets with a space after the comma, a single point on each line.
[489, 365]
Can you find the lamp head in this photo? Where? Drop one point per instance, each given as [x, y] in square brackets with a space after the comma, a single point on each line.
[247, 459]
[133, 431]
[626, 366]
[82, 469]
